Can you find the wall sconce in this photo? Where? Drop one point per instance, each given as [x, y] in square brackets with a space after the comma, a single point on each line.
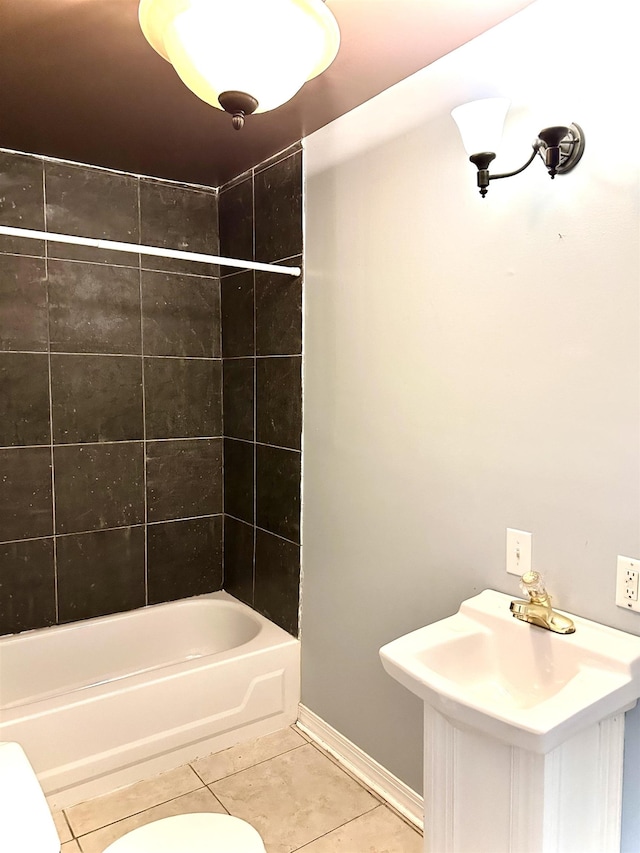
[480, 124]
[242, 56]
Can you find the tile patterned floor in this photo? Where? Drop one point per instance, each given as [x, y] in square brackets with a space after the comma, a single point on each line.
[296, 796]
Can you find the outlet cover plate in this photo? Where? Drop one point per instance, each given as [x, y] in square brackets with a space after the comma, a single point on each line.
[627, 582]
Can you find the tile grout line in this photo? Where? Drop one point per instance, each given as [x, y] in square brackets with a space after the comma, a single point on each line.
[263, 530]
[261, 444]
[121, 527]
[200, 787]
[120, 266]
[336, 828]
[222, 449]
[255, 392]
[381, 800]
[56, 599]
[135, 814]
[248, 767]
[124, 354]
[144, 411]
[125, 441]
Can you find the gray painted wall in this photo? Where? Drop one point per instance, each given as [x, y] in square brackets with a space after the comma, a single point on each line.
[470, 365]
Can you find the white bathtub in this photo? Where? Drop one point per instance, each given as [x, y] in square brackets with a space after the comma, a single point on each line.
[105, 702]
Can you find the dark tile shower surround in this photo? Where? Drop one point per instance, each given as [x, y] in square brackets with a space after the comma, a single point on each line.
[262, 388]
[117, 373]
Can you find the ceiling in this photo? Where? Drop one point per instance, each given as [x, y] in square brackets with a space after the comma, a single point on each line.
[80, 82]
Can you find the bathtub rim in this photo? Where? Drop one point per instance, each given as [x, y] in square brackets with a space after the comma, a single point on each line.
[267, 634]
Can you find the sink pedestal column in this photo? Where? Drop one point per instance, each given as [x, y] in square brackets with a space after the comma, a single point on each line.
[484, 796]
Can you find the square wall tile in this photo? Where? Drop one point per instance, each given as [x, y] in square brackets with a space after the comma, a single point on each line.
[278, 491]
[237, 315]
[278, 314]
[239, 479]
[26, 506]
[181, 315]
[184, 478]
[184, 558]
[94, 308]
[183, 397]
[87, 202]
[182, 218]
[24, 323]
[279, 401]
[235, 207]
[278, 209]
[27, 586]
[24, 399]
[21, 201]
[238, 559]
[98, 486]
[277, 583]
[239, 378]
[100, 573]
[96, 398]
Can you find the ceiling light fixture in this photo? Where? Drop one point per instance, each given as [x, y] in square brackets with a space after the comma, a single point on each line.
[480, 124]
[242, 56]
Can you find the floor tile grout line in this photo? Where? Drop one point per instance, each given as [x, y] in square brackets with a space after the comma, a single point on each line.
[249, 766]
[381, 800]
[204, 784]
[66, 820]
[134, 814]
[336, 828]
[348, 772]
[305, 741]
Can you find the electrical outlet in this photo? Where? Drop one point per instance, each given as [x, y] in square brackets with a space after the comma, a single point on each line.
[518, 551]
[627, 580]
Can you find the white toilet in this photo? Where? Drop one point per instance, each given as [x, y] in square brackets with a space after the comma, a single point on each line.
[26, 825]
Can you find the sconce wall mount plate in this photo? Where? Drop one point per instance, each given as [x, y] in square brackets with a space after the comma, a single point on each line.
[570, 144]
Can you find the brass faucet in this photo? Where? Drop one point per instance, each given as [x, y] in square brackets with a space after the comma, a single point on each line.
[538, 610]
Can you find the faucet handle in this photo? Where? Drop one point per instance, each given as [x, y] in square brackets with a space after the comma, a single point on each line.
[532, 584]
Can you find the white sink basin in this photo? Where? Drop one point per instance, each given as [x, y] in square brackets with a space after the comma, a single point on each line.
[526, 686]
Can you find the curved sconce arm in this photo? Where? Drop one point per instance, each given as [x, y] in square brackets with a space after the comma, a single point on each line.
[483, 160]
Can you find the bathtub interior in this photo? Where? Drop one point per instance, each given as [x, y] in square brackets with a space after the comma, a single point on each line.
[54, 661]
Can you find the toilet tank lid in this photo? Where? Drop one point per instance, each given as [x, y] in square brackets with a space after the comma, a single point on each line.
[26, 823]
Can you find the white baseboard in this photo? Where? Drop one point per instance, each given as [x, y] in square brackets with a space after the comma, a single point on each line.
[399, 796]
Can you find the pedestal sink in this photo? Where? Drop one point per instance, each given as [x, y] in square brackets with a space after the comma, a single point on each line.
[524, 729]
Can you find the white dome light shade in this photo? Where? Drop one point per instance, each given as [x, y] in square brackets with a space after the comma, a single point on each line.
[267, 49]
[480, 124]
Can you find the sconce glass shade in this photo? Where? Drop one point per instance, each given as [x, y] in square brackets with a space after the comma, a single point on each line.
[267, 49]
[480, 124]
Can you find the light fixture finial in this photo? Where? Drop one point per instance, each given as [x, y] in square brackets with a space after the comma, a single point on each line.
[239, 105]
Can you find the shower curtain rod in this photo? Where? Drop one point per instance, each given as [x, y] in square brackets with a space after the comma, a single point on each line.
[146, 250]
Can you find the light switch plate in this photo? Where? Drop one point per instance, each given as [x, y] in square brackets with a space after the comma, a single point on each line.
[518, 551]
